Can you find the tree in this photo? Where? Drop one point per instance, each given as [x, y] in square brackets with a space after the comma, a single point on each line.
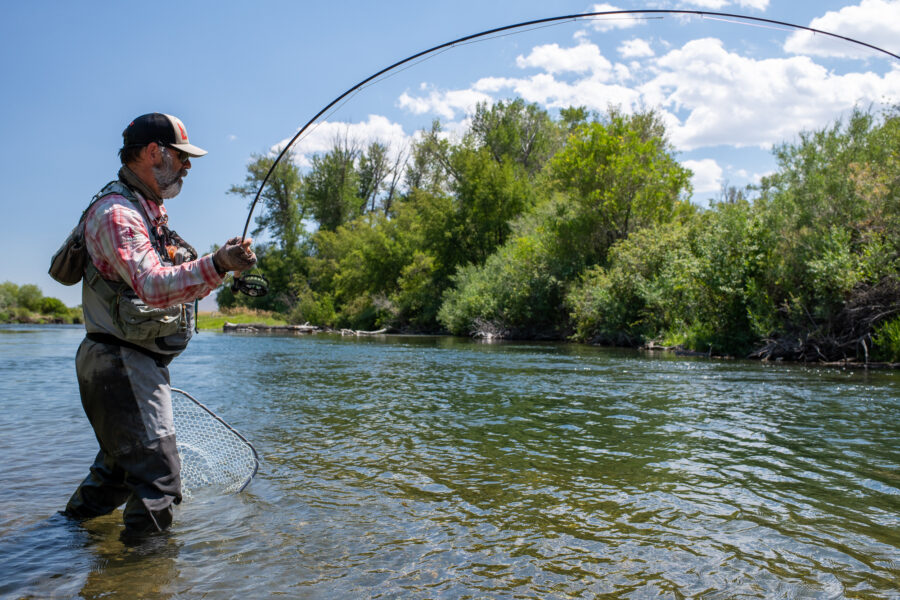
[611, 179]
[282, 211]
[430, 167]
[514, 131]
[831, 225]
[9, 293]
[488, 195]
[333, 185]
[622, 176]
[281, 206]
[29, 296]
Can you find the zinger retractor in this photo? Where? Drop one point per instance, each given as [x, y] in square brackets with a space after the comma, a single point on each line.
[251, 284]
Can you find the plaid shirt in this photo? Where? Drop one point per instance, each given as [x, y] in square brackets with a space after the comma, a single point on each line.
[119, 244]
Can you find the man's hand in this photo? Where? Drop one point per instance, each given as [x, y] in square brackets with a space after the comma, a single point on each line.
[234, 256]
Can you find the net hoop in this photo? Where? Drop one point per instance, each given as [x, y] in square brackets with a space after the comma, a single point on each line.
[190, 448]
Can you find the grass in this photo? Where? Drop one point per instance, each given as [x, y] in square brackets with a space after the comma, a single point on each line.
[216, 319]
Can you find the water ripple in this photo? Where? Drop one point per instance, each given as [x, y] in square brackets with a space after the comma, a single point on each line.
[441, 468]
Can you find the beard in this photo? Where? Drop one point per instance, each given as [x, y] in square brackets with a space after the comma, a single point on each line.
[168, 178]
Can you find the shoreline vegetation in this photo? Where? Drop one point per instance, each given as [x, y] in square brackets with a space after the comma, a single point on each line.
[254, 321]
[27, 304]
[580, 227]
[247, 325]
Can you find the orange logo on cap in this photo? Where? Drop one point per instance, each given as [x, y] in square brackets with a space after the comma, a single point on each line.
[183, 134]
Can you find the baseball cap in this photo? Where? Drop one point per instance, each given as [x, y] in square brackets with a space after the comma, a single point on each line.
[159, 127]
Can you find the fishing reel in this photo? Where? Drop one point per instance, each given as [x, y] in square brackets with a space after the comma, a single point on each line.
[251, 284]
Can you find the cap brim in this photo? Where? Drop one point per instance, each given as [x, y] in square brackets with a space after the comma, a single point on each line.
[191, 149]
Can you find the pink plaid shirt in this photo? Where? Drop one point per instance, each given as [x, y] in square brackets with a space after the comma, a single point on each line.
[119, 244]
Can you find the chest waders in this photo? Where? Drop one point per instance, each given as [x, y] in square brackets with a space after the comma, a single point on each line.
[123, 380]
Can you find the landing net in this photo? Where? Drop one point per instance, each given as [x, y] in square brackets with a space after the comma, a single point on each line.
[212, 453]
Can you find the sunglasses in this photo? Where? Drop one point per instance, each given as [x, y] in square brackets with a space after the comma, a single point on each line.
[181, 154]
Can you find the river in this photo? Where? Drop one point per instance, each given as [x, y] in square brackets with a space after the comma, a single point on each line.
[429, 467]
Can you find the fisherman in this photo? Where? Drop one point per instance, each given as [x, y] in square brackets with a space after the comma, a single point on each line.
[139, 286]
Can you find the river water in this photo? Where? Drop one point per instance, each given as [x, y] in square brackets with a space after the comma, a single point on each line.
[421, 467]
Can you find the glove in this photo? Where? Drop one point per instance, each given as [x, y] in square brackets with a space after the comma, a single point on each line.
[234, 256]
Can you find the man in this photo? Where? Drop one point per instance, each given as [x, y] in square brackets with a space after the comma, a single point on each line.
[137, 292]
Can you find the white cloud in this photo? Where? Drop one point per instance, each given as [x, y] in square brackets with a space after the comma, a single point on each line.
[707, 177]
[709, 95]
[606, 23]
[875, 22]
[738, 101]
[719, 4]
[710, 4]
[493, 84]
[636, 48]
[578, 59]
[323, 136]
[757, 4]
[445, 104]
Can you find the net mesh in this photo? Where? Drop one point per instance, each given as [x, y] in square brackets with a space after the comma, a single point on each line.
[212, 453]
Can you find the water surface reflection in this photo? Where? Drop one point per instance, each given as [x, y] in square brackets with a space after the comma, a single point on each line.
[442, 468]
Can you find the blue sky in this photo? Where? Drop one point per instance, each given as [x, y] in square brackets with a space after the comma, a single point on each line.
[244, 76]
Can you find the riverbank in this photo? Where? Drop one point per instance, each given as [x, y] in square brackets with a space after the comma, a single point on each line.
[259, 327]
[39, 319]
[216, 319]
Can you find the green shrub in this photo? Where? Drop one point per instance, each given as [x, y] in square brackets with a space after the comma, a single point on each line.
[419, 296]
[358, 313]
[30, 297]
[9, 292]
[316, 309]
[886, 340]
[53, 306]
[515, 292]
[644, 292]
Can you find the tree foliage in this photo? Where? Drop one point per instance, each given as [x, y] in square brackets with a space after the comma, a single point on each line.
[579, 224]
[27, 304]
[282, 209]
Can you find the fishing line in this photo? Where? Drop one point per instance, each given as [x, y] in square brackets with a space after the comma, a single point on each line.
[745, 24]
[494, 33]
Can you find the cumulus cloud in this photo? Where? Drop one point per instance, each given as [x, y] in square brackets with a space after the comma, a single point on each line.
[710, 4]
[708, 95]
[875, 22]
[757, 4]
[607, 23]
[635, 48]
[720, 4]
[734, 100]
[578, 59]
[707, 177]
[444, 103]
[323, 136]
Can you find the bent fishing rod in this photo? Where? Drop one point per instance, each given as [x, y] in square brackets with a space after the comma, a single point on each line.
[256, 285]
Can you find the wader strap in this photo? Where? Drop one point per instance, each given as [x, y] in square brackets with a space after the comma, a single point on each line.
[106, 338]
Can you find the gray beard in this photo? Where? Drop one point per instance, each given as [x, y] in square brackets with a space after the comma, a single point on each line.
[167, 178]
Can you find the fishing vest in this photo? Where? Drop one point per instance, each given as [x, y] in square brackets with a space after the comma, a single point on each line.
[112, 307]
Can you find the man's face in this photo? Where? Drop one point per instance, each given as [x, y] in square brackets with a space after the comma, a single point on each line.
[169, 172]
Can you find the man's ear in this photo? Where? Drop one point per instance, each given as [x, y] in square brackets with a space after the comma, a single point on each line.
[151, 153]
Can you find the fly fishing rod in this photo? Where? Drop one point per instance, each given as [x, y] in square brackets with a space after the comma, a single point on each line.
[256, 285]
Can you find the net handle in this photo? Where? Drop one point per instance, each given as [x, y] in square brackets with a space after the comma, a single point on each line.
[231, 429]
